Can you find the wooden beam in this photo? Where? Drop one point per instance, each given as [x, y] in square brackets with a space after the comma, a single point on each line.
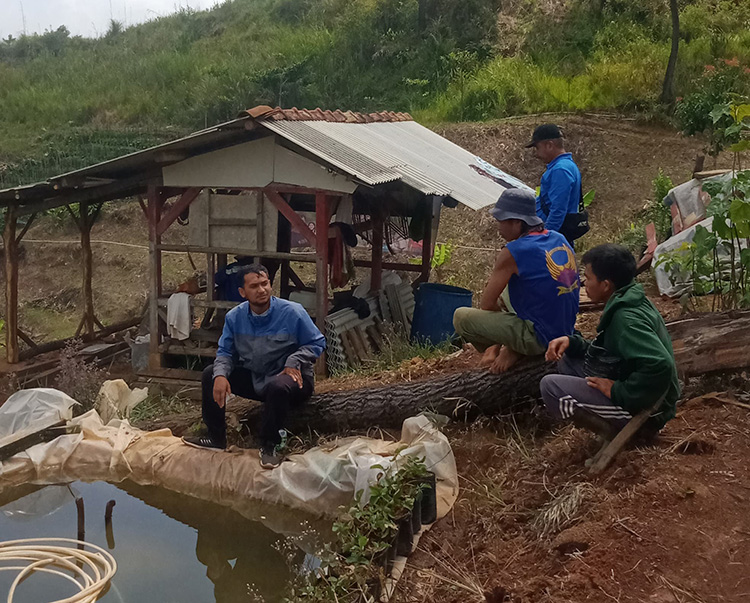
[277, 255]
[200, 303]
[44, 431]
[297, 223]
[390, 266]
[10, 256]
[298, 282]
[154, 255]
[177, 208]
[94, 194]
[76, 219]
[25, 228]
[58, 344]
[143, 207]
[610, 450]
[321, 263]
[26, 339]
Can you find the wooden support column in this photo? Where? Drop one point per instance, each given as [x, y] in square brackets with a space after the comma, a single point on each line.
[321, 260]
[85, 221]
[430, 235]
[155, 202]
[376, 272]
[87, 262]
[11, 283]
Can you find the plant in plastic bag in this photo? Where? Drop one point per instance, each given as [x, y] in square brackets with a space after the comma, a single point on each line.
[718, 261]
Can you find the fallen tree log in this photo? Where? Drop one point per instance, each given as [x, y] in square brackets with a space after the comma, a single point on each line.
[704, 343]
[707, 343]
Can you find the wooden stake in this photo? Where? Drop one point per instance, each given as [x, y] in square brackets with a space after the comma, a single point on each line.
[154, 255]
[87, 265]
[11, 283]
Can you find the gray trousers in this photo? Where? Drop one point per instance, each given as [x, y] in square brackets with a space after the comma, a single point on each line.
[565, 392]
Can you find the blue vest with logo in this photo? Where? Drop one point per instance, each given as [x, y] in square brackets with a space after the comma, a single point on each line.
[546, 288]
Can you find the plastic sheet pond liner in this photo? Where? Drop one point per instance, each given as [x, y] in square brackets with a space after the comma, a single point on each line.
[317, 482]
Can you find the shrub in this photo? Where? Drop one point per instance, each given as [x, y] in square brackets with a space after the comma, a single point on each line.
[79, 379]
[718, 85]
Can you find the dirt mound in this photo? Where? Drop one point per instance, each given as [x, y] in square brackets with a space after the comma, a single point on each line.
[666, 524]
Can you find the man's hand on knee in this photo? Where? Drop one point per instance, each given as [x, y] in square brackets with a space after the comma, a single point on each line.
[294, 374]
[222, 390]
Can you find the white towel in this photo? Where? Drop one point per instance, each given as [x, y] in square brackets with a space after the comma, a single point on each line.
[178, 316]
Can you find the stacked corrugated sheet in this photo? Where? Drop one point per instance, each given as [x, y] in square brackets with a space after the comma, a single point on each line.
[353, 341]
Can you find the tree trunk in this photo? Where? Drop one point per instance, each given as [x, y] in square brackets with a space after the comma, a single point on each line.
[702, 344]
[667, 91]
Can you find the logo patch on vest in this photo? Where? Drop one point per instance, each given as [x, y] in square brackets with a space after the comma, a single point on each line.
[566, 274]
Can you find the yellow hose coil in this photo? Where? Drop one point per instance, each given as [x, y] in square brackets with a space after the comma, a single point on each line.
[86, 565]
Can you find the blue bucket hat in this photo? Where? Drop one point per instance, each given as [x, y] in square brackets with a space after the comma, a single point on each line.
[516, 204]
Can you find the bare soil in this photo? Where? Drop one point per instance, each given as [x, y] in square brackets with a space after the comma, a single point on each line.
[667, 523]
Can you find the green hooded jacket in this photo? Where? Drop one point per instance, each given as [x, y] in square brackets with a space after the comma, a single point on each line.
[632, 330]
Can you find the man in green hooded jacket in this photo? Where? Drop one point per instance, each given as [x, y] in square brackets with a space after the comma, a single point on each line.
[628, 366]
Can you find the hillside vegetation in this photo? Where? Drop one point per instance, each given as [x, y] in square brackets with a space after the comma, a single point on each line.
[69, 101]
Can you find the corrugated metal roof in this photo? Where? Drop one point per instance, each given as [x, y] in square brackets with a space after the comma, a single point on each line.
[373, 148]
[379, 152]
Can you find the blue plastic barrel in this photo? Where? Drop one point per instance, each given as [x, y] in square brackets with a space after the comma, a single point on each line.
[433, 311]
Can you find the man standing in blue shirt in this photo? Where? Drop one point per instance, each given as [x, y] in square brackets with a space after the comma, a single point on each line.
[560, 191]
[266, 352]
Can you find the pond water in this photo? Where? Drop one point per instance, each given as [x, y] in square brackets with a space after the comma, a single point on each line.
[168, 547]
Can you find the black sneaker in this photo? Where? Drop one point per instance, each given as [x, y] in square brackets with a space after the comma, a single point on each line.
[203, 442]
[269, 458]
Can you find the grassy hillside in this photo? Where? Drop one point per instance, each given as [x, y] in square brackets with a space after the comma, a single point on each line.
[68, 101]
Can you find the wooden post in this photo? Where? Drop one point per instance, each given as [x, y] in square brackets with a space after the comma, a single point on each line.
[321, 260]
[11, 283]
[87, 263]
[376, 272]
[154, 272]
[430, 235]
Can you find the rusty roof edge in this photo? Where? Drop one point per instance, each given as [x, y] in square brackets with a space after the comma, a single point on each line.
[265, 113]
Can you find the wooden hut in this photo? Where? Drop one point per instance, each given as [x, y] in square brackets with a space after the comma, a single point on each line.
[246, 184]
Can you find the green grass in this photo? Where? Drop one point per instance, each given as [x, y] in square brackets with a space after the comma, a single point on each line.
[158, 405]
[399, 350]
[71, 101]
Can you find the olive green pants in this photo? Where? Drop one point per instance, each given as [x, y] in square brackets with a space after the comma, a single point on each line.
[485, 328]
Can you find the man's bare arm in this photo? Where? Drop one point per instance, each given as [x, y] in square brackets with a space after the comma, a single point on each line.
[505, 267]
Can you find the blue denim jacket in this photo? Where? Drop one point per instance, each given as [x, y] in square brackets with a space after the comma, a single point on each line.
[284, 335]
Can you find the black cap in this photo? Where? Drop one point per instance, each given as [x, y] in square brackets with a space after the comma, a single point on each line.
[544, 132]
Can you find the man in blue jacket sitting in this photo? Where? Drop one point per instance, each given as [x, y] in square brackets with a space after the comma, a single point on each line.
[266, 352]
[560, 191]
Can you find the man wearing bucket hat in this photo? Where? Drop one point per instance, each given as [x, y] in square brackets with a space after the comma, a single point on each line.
[560, 200]
[537, 276]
